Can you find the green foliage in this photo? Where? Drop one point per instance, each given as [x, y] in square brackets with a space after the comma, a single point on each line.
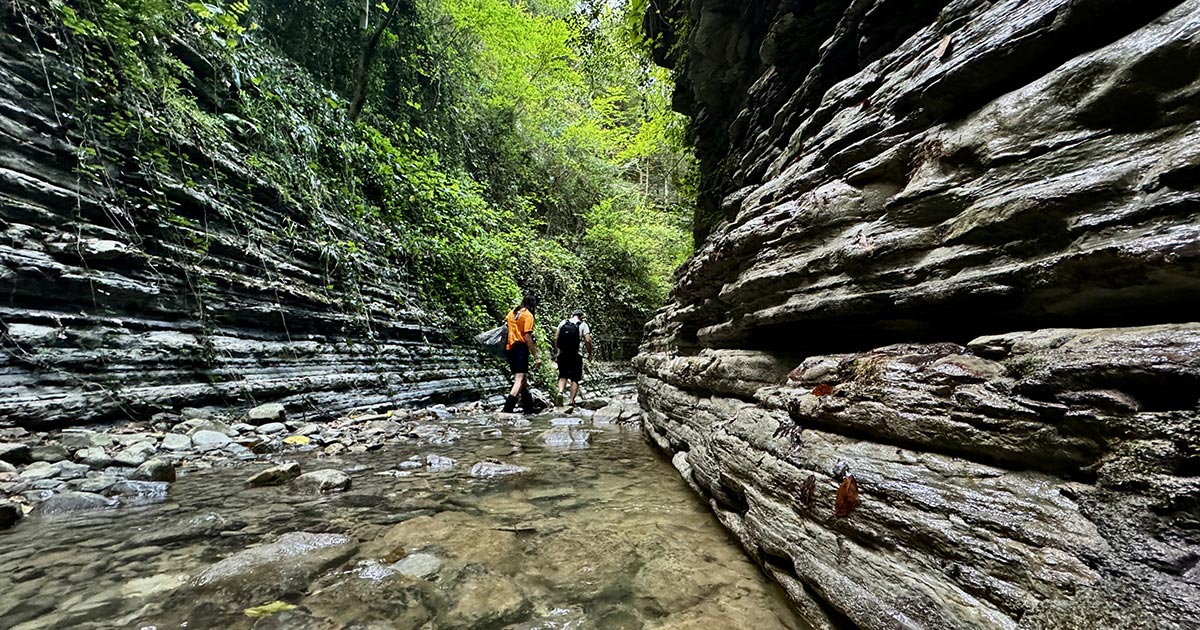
[507, 146]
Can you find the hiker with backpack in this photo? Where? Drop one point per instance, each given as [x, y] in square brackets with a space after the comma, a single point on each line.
[518, 349]
[567, 340]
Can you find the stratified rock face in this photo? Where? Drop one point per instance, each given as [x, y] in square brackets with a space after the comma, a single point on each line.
[203, 285]
[953, 257]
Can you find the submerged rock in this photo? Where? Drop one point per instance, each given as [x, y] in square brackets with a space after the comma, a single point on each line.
[69, 502]
[565, 436]
[273, 570]
[488, 470]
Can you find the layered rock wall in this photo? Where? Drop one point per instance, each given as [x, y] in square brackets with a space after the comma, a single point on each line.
[953, 255]
[202, 284]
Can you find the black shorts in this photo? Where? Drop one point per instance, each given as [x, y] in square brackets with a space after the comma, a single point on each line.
[518, 358]
[570, 367]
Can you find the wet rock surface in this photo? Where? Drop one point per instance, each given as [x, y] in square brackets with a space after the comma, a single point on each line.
[597, 537]
[951, 256]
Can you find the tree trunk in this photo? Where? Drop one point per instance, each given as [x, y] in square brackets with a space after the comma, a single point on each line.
[370, 45]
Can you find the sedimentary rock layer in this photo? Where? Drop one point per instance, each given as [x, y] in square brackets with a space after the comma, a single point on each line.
[187, 284]
[894, 192]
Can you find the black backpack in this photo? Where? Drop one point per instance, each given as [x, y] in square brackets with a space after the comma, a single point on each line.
[568, 337]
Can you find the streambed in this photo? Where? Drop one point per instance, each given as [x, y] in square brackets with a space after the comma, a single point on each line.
[602, 534]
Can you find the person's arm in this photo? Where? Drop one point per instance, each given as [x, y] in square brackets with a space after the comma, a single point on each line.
[532, 347]
[587, 341]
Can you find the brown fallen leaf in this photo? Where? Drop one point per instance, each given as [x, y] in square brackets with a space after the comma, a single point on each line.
[395, 555]
[942, 48]
[823, 389]
[847, 497]
[807, 489]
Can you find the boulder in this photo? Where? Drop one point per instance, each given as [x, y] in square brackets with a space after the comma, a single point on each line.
[205, 440]
[263, 414]
[176, 442]
[94, 457]
[155, 469]
[275, 475]
[319, 481]
[135, 455]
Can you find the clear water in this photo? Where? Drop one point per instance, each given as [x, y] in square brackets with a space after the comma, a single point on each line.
[602, 537]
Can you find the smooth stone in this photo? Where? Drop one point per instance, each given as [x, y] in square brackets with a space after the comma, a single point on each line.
[6, 467]
[52, 452]
[205, 440]
[488, 470]
[262, 414]
[272, 427]
[275, 475]
[156, 469]
[322, 481]
[176, 442]
[69, 502]
[308, 429]
[565, 422]
[418, 565]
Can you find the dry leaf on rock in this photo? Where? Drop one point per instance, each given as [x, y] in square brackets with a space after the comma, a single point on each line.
[847, 497]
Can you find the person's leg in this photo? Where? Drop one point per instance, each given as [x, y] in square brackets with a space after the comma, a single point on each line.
[518, 385]
[562, 383]
[574, 392]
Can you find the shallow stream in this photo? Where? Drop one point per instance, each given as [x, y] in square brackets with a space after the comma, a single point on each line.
[603, 536]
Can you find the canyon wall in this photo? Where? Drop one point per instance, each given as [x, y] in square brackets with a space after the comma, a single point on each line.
[131, 284]
[952, 260]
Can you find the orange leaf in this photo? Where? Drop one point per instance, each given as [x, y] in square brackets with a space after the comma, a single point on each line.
[822, 390]
[847, 497]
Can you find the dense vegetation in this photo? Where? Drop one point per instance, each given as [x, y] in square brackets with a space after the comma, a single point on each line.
[495, 146]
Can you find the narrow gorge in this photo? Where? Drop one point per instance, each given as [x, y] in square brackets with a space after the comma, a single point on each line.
[134, 283]
[950, 261]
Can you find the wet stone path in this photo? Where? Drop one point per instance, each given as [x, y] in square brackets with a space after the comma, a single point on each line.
[448, 531]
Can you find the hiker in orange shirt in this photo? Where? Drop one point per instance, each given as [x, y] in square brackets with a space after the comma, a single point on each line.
[519, 348]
